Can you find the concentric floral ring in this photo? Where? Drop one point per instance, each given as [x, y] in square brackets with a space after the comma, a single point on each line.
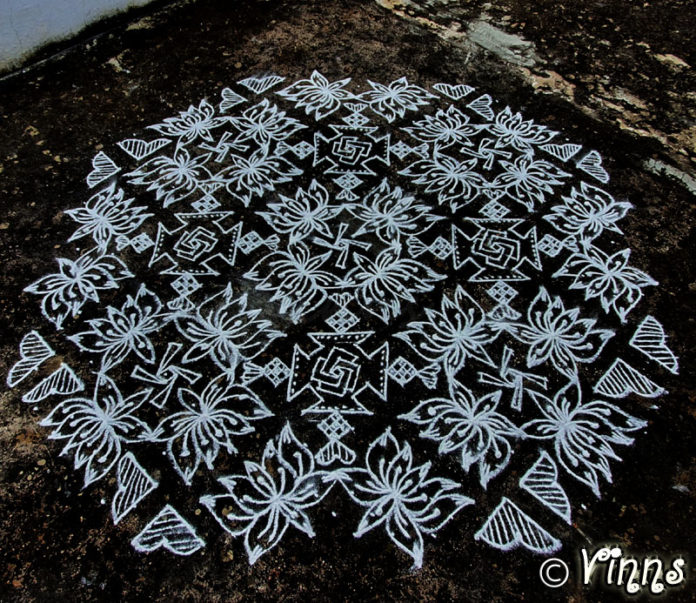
[359, 280]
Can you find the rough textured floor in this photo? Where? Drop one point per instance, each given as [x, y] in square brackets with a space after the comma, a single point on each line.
[616, 79]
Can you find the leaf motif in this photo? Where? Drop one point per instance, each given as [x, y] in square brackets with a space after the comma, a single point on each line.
[621, 380]
[509, 527]
[650, 339]
[33, 351]
[61, 382]
[170, 531]
[541, 481]
[133, 485]
[103, 168]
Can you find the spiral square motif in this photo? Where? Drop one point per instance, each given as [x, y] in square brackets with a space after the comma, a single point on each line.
[375, 284]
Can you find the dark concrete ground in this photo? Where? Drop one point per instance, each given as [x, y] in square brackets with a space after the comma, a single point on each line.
[611, 75]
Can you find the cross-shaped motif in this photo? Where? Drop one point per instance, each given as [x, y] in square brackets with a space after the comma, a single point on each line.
[511, 378]
[486, 151]
[342, 245]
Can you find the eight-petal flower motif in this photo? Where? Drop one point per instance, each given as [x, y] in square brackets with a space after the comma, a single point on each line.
[223, 329]
[207, 423]
[297, 278]
[309, 212]
[396, 98]
[391, 214]
[608, 277]
[384, 283]
[455, 182]
[401, 497]
[472, 426]
[265, 123]
[529, 181]
[124, 331]
[97, 427]
[107, 215]
[582, 433]
[587, 213]
[189, 125]
[457, 332]
[558, 335]
[173, 178]
[273, 495]
[445, 128]
[512, 129]
[318, 95]
[65, 292]
[256, 174]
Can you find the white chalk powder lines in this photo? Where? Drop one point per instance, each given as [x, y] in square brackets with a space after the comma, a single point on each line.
[297, 264]
[133, 485]
[168, 530]
[33, 351]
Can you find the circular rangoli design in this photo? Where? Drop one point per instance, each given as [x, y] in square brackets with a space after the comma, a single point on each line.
[395, 294]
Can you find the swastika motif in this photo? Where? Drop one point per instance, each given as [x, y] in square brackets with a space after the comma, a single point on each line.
[394, 295]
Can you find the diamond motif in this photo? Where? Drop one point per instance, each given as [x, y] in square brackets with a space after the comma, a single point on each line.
[356, 119]
[342, 320]
[441, 248]
[335, 426]
[550, 245]
[401, 149]
[402, 371]
[249, 242]
[303, 149]
[205, 204]
[348, 181]
[141, 242]
[276, 371]
[186, 284]
[494, 210]
[502, 292]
